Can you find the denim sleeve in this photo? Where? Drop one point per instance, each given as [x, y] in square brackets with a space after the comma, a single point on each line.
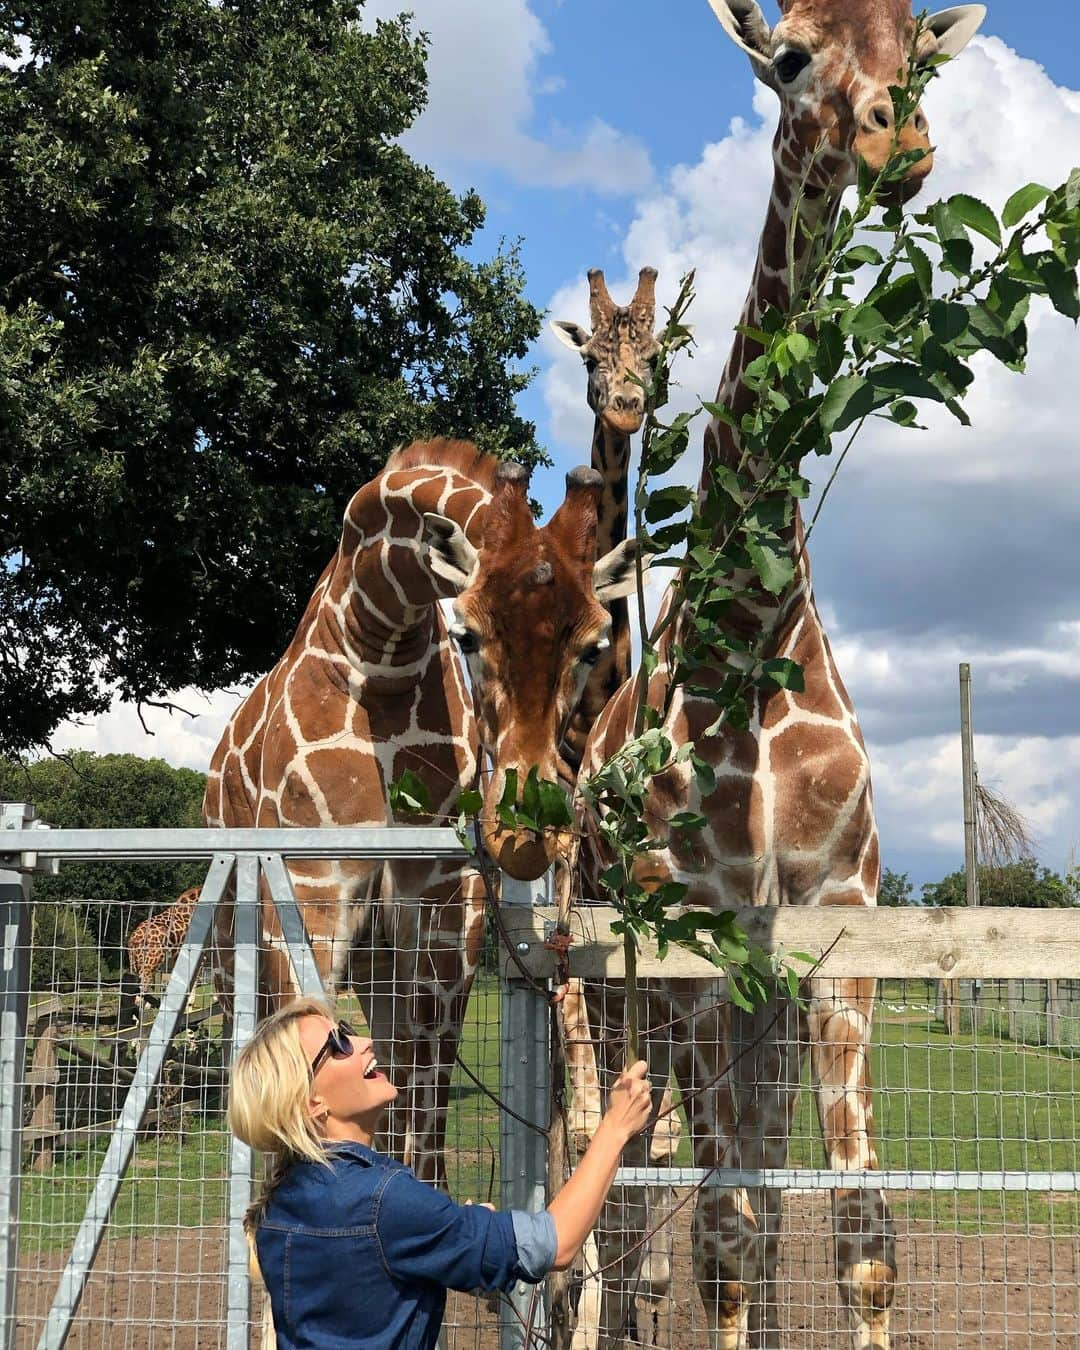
[537, 1243]
[424, 1235]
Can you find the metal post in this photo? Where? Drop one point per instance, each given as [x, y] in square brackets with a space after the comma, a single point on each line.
[525, 1079]
[92, 1229]
[15, 897]
[967, 759]
[245, 993]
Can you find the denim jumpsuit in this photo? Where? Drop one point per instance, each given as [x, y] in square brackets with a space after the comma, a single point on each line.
[358, 1255]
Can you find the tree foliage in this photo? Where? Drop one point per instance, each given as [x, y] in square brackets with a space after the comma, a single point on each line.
[86, 791]
[1022, 884]
[226, 294]
[895, 889]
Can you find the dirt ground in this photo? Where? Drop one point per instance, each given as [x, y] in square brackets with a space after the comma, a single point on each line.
[996, 1291]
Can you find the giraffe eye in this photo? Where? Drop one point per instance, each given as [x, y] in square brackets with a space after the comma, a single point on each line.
[590, 363]
[590, 655]
[467, 641]
[789, 63]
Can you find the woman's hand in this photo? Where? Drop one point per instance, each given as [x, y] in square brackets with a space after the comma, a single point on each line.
[630, 1105]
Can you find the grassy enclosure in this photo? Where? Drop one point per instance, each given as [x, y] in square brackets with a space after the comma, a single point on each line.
[967, 1102]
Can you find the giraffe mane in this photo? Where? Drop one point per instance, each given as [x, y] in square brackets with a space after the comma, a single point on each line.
[464, 457]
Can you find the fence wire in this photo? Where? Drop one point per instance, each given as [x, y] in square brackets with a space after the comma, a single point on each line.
[981, 1264]
[159, 1279]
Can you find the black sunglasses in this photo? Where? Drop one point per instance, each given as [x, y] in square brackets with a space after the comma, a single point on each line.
[337, 1044]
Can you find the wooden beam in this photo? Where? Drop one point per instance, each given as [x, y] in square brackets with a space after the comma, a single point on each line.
[911, 943]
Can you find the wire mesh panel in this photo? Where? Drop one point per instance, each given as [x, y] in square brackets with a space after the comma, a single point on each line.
[159, 1277]
[976, 1135]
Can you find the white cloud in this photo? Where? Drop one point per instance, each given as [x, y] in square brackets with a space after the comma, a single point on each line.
[180, 740]
[917, 789]
[483, 82]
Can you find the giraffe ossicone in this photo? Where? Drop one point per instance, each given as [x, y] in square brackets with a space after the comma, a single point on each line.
[790, 820]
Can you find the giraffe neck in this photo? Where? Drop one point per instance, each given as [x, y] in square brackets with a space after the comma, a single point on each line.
[611, 459]
[376, 606]
[770, 286]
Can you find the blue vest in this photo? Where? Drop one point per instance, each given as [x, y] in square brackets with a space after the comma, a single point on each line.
[358, 1255]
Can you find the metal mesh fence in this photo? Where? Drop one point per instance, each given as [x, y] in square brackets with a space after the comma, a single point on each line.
[159, 1277]
[977, 1133]
[976, 1116]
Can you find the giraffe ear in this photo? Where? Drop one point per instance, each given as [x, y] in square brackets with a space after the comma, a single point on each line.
[447, 551]
[954, 28]
[570, 334]
[744, 23]
[615, 574]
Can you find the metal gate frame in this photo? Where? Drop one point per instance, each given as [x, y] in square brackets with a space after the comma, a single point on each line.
[246, 859]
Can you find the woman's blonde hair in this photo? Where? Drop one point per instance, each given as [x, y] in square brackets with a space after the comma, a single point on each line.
[270, 1094]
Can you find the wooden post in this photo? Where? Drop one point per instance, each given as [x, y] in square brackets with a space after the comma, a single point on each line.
[971, 853]
[43, 1077]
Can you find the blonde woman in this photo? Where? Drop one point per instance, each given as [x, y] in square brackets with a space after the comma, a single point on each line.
[356, 1253]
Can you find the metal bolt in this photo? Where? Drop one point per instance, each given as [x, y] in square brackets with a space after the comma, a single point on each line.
[523, 946]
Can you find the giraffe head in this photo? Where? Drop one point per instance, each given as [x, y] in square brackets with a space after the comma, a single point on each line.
[530, 623]
[831, 63]
[620, 346]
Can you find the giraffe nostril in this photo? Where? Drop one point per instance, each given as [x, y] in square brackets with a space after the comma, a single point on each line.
[919, 122]
[881, 116]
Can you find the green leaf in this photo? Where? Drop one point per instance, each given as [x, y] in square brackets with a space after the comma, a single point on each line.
[975, 214]
[554, 810]
[510, 790]
[920, 266]
[706, 779]
[1021, 202]
[786, 674]
[864, 321]
[409, 793]
[948, 320]
[1060, 283]
[667, 501]
[900, 377]
[830, 352]
[772, 562]
[798, 345]
[1072, 190]
[687, 820]
[848, 398]
[470, 803]
[721, 412]
[860, 254]
[530, 794]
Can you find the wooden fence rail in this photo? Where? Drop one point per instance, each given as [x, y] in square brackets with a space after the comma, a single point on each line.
[910, 943]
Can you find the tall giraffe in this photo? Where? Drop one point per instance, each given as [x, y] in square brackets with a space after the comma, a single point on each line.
[791, 818]
[619, 355]
[371, 686]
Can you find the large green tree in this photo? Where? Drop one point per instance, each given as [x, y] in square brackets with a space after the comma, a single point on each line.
[226, 293]
[1024, 884]
[102, 902]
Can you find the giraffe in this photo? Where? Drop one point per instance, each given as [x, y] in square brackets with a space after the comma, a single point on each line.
[372, 685]
[158, 939]
[790, 820]
[619, 355]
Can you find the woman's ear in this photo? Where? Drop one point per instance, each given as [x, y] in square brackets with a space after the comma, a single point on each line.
[318, 1109]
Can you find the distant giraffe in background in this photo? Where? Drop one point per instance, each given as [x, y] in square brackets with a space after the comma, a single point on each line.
[619, 355]
[158, 940]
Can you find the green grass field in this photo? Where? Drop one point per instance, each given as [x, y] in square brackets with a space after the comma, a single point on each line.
[968, 1102]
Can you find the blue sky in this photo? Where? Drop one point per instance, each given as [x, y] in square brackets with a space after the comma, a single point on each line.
[618, 134]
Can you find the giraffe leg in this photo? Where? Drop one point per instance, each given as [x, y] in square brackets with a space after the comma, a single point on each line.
[839, 1028]
[725, 1238]
[768, 1051]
